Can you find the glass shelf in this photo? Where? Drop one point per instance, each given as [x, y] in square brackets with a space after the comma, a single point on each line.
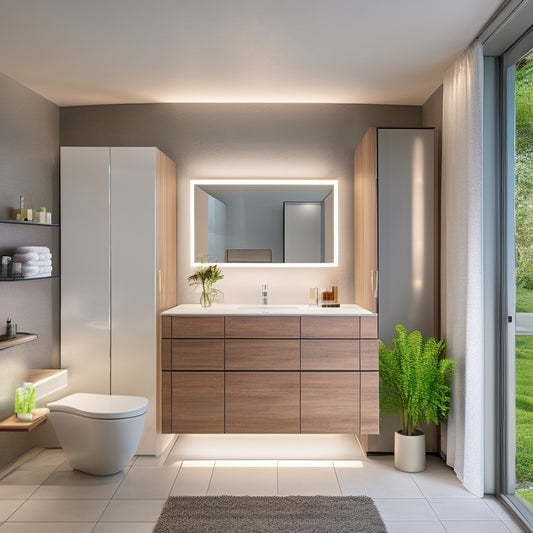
[28, 223]
[29, 279]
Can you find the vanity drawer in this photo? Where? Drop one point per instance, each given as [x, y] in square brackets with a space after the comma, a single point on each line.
[197, 402]
[369, 327]
[339, 327]
[197, 354]
[330, 402]
[261, 327]
[334, 354]
[262, 354]
[197, 327]
[369, 354]
[262, 402]
[370, 403]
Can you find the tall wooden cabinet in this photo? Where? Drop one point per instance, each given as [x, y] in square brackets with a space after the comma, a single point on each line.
[118, 265]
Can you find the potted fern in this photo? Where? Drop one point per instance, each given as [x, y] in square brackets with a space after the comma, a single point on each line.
[414, 382]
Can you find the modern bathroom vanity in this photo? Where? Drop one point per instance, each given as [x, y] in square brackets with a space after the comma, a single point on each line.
[269, 369]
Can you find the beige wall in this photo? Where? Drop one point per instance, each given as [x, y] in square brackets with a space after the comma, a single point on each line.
[252, 141]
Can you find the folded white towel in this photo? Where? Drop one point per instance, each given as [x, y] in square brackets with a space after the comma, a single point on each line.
[25, 258]
[44, 257]
[37, 263]
[45, 269]
[32, 249]
[30, 271]
[45, 272]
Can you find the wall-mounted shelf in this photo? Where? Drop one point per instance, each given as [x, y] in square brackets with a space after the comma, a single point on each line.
[29, 279]
[21, 338]
[28, 223]
[13, 424]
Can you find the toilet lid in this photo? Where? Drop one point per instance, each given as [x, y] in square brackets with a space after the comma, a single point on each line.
[103, 406]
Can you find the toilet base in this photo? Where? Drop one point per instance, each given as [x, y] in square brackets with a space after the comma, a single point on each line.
[96, 446]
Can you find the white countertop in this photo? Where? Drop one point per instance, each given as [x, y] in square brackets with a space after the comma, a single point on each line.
[249, 309]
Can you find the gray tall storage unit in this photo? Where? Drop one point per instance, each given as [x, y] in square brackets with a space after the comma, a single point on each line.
[396, 214]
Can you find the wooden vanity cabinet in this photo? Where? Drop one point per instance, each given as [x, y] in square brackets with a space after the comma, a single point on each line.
[270, 374]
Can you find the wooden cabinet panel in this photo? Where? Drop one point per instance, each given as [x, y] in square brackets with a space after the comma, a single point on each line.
[366, 221]
[370, 403]
[262, 402]
[198, 354]
[166, 327]
[197, 402]
[331, 354]
[166, 354]
[340, 327]
[369, 327]
[262, 354]
[330, 402]
[166, 402]
[261, 327]
[369, 354]
[197, 327]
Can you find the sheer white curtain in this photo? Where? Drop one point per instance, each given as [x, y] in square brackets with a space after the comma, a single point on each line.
[462, 316]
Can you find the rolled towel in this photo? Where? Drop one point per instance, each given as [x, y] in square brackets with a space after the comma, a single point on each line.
[32, 249]
[25, 257]
[30, 271]
[45, 257]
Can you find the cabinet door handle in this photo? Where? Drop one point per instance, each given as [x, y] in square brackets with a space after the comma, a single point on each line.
[374, 282]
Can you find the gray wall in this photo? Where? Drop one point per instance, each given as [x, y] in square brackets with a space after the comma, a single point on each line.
[248, 140]
[29, 142]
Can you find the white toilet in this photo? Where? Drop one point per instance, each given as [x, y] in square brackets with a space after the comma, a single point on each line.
[99, 433]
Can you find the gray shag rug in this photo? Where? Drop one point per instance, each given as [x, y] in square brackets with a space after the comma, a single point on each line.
[269, 514]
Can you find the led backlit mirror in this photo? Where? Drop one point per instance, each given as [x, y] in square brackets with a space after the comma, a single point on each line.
[264, 222]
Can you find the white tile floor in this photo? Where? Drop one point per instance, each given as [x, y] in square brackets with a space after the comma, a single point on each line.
[44, 495]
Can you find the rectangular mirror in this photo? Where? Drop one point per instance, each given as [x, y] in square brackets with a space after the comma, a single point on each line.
[262, 222]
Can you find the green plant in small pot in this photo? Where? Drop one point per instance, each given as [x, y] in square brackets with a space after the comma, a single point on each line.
[414, 383]
[206, 277]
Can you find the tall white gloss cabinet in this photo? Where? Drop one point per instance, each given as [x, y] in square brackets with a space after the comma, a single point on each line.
[118, 266]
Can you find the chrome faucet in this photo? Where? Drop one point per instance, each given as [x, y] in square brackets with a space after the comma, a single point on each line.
[264, 293]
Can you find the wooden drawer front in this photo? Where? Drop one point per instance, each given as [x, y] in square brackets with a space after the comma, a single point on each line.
[166, 402]
[166, 327]
[198, 354]
[369, 354]
[327, 327]
[334, 354]
[370, 403]
[369, 327]
[330, 402]
[262, 327]
[262, 354]
[262, 402]
[166, 354]
[197, 402]
[197, 327]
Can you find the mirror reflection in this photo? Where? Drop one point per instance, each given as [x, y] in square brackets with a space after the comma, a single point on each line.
[264, 221]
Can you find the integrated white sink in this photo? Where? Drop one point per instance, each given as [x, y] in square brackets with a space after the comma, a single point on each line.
[268, 307]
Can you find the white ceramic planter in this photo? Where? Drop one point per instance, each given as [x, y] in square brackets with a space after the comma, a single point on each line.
[410, 452]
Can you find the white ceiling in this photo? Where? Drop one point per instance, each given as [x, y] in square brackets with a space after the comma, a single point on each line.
[81, 52]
